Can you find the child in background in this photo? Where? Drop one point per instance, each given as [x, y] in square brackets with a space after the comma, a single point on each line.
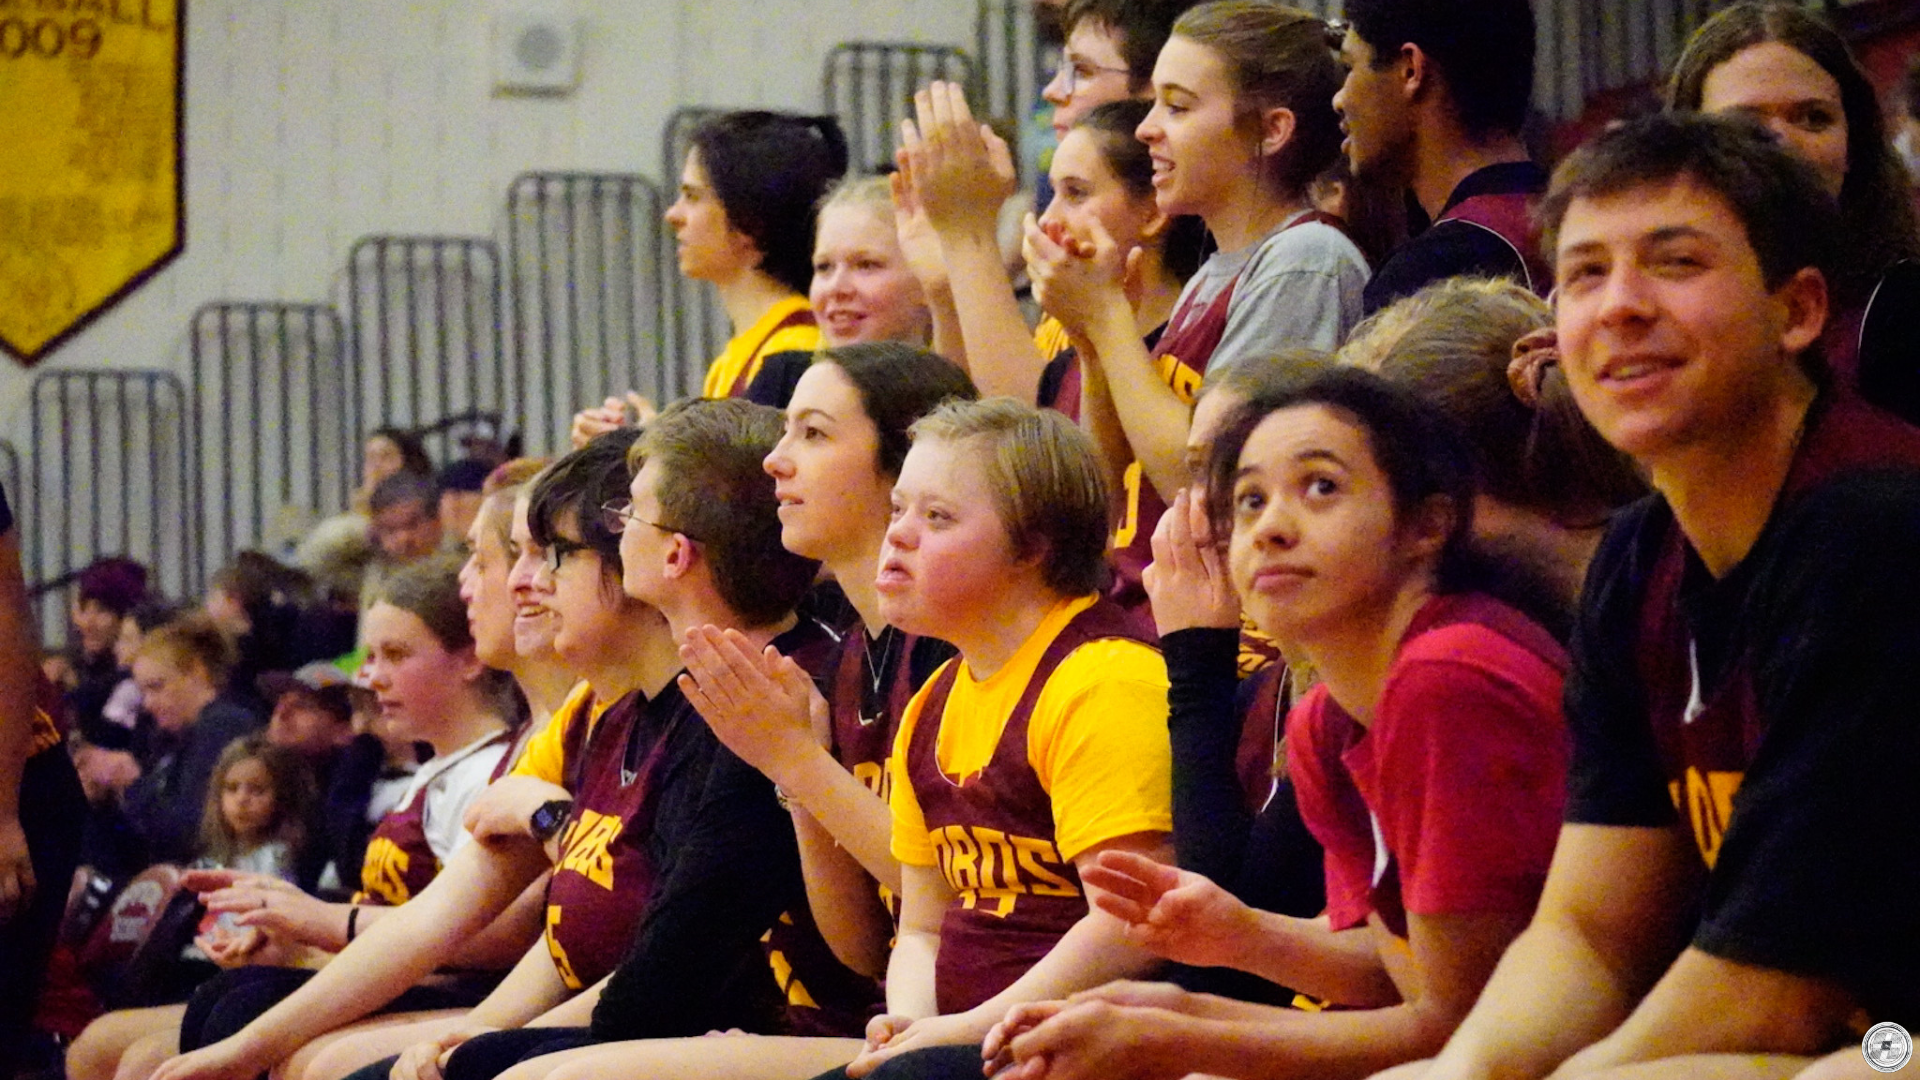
[256, 813]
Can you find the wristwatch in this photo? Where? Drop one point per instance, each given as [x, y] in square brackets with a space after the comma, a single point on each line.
[548, 819]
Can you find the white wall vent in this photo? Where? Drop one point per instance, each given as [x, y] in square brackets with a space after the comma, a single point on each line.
[535, 52]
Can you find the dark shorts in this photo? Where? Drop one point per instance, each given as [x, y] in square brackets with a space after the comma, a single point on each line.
[487, 1056]
[233, 999]
[933, 1063]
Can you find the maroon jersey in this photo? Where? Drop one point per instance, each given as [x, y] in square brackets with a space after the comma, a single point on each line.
[1181, 357]
[998, 829]
[1706, 743]
[1509, 216]
[1256, 758]
[399, 861]
[605, 877]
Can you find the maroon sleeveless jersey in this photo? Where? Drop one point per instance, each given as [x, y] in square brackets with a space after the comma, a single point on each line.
[604, 878]
[1181, 355]
[399, 862]
[1509, 216]
[1257, 754]
[1016, 895]
[1707, 742]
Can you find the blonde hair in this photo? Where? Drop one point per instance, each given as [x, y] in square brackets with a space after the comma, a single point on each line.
[1452, 344]
[873, 193]
[1046, 483]
[192, 642]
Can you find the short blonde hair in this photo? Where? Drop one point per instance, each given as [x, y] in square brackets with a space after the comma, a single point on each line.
[1046, 482]
[873, 193]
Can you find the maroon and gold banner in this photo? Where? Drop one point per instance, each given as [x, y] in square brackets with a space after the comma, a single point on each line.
[91, 184]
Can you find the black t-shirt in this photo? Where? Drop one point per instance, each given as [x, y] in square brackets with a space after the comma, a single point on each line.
[1796, 747]
[6, 511]
[1453, 248]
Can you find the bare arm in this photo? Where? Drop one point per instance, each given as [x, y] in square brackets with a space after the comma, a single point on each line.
[1610, 921]
[842, 897]
[389, 955]
[960, 173]
[1094, 951]
[923, 905]
[18, 677]
[1707, 1005]
[531, 989]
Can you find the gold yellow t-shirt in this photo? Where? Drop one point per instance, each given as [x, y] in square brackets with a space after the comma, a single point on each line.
[744, 354]
[1097, 739]
[545, 756]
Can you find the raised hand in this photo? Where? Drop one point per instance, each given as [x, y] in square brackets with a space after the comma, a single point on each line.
[961, 171]
[1079, 280]
[612, 413]
[1187, 582]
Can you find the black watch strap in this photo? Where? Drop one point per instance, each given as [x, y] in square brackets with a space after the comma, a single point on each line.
[549, 818]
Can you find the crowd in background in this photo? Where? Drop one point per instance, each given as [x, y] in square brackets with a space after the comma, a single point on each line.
[1324, 596]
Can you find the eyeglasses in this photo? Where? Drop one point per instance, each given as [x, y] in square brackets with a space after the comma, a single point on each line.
[616, 513]
[559, 550]
[1076, 72]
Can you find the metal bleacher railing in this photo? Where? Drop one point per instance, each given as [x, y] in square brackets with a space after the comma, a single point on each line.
[584, 297]
[273, 441]
[869, 85]
[109, 458]
[424, 333]
[10, 478]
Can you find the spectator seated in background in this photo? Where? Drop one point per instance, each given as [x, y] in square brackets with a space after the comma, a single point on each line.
[87, 670]
[257, 603]
[336, 551]
[313, 717]
[183, 671]
[461, 483]
[125, 721]
[404, 528]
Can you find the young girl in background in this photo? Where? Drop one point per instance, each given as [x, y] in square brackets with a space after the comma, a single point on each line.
[255, 819]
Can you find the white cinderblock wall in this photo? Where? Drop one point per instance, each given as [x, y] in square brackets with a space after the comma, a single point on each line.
[313, 122]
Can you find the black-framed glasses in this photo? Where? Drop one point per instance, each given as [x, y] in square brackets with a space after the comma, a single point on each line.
[616, 514]
[559, 550]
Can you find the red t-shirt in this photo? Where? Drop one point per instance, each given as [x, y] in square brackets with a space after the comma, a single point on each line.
[1451, 802]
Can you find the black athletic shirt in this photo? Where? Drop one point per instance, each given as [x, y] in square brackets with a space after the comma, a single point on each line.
[1453, 248]
[1798, 760]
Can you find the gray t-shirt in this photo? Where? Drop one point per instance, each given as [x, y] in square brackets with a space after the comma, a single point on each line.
[1301, 289]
